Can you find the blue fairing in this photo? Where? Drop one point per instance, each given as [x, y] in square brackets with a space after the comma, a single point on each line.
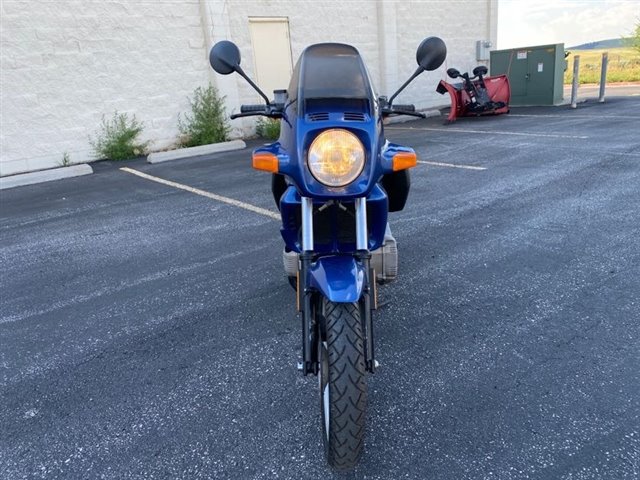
[335, 239]
[319, 99]
[339, 278]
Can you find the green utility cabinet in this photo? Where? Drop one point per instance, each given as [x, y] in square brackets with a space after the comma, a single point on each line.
[535, 73]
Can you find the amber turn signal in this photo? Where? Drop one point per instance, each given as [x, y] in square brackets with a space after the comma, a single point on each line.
[267, 162]
[404, 160]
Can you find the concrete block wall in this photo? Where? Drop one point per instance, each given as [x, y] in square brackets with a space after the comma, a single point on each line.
[386, 32]
[459, 24]
[66, 63]
[354, 22]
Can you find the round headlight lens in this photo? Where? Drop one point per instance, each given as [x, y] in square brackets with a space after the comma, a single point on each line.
[336, 157]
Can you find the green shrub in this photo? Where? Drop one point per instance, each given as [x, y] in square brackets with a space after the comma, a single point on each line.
[268, 128]
[207, 123]
[116, 139]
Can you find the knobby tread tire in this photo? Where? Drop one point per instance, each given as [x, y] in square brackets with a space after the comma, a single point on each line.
[348, 388]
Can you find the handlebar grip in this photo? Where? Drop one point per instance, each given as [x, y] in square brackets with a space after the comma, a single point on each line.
[405, 108]
[252, 108]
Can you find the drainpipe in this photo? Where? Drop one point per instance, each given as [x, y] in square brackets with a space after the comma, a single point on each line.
[215, 23]
[387, 46]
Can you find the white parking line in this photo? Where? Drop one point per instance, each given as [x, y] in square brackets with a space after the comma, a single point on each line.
[571, 116]
[490, 132]
[452, 165]
[248, 206]
[203, 193]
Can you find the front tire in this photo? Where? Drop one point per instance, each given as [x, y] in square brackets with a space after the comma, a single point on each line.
[343, 389]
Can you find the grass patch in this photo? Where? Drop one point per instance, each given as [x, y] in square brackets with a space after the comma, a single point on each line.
[624, 65]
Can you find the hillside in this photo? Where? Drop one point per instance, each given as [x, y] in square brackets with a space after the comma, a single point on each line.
[609, 43]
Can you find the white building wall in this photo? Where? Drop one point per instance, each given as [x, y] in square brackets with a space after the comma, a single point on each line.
[353, 22]
[386, 32]
[67, 63]
[459, 24]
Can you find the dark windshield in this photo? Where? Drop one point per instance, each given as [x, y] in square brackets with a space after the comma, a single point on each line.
[330, 70]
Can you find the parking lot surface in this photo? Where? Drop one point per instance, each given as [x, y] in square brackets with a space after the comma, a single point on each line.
[147, 331]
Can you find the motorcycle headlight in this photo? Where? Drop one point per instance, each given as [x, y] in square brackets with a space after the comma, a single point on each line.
[336, 157]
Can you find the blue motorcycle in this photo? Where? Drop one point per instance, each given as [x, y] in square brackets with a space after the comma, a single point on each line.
[335, 178]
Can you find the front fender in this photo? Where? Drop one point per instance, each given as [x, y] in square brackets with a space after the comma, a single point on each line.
[339, 278]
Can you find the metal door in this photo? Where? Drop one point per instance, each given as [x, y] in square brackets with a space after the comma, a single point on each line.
[512, 63]
[540, 74]
[519, 72]
[271, 52]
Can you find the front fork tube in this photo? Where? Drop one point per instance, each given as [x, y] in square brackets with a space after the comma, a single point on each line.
[310, 330]
[310, 325]
[366, 303]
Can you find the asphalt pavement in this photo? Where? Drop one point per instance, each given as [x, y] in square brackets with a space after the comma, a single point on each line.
[147, 331]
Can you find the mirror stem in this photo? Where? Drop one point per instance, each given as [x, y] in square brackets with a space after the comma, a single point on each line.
[256, 88]
[415, 74]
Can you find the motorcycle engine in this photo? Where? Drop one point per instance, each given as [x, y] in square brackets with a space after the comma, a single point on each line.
[384, 260]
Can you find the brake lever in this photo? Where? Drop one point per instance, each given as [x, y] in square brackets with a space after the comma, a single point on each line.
[411, 114]
[386, 112]
[265, 113]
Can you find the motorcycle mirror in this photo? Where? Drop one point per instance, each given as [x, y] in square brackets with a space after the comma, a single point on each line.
[431, 53]
[225, 57]
[453, 73]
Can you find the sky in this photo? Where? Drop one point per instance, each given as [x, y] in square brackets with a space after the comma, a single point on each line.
[572, 22]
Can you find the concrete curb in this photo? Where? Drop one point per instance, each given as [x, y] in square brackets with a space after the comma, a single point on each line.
[567, 101]
[31, 178]
[160, 157]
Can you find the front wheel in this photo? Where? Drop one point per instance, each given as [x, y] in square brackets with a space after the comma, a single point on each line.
[343, 390]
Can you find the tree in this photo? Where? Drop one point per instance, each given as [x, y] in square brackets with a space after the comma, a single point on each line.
[635, 37]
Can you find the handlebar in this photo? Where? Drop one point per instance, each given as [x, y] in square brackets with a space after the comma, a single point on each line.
[276, 111]
[253, 108]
